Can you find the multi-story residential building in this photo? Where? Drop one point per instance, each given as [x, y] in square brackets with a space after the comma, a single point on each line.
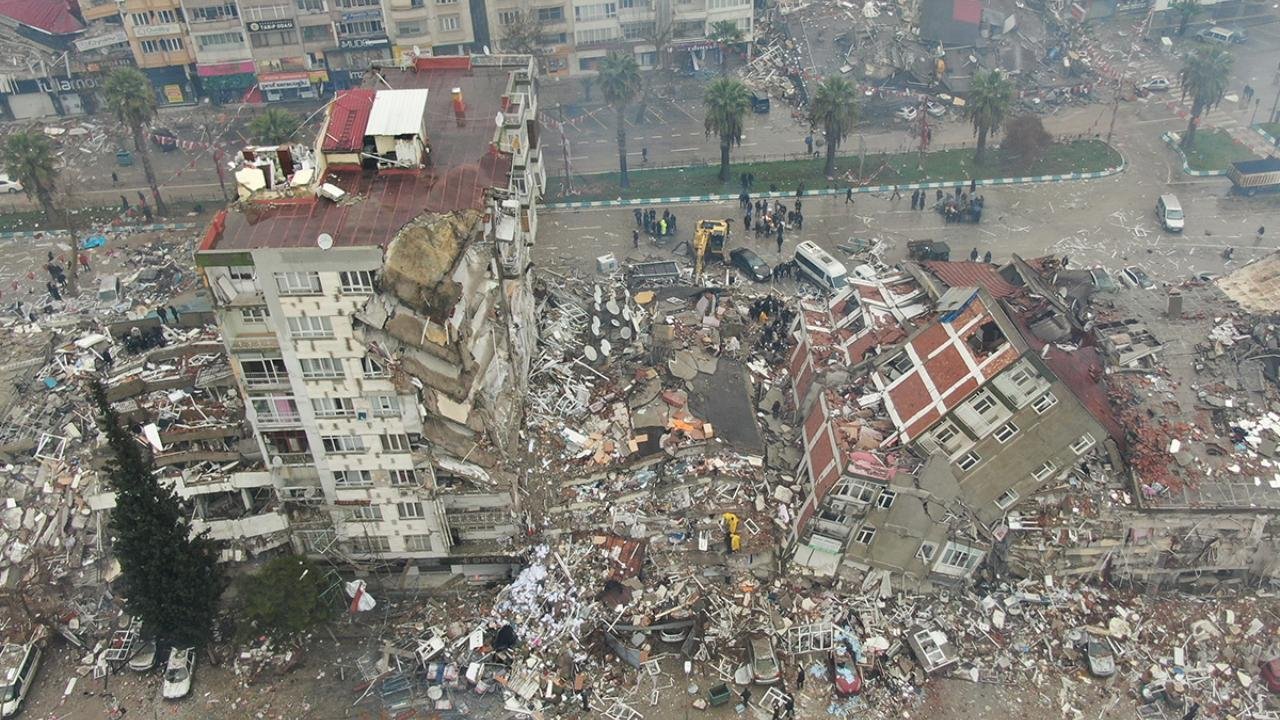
[373, 293]
[576, 35]
[918, 449]
[157, 33]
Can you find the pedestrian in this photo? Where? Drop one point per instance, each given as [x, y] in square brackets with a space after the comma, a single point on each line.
[848, 196]
[915, 198]
[662, 227]
[146, 212]
[746, 222]
[173, 313]
[896, 194]
[142, 199]
[639, 217]
[973, 185]
[746, 695]
[939, 198]
[84, 262]
[800, 679]
[797, 205]
[115, 179]
[973, 255]
[958, 188]
[644, 155]
[742, 178]
[124, 204]
[751, 180]
[161, 315]
[1261, 231]
[671, 224]
[986, 257]
[635, 238]
[799, 221]
[808, 144]
[779, 239]
[53, 290]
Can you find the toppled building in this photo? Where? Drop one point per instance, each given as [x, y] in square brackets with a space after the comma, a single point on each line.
[373, 295]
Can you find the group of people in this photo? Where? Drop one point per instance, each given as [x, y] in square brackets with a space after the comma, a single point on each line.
[653, 225]
[776, 318]
[770, 220]
[143, 207]
[961, 207]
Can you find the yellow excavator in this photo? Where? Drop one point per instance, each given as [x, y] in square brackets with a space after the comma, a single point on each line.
[710, 240]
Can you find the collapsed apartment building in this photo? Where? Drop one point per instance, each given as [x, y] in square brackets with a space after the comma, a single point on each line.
[955, 412]
[372, 292]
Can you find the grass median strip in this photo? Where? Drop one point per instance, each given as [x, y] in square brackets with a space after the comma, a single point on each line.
[1215, 150]
[876, 169]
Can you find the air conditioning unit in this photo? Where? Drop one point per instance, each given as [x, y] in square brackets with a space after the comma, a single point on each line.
[362, 415]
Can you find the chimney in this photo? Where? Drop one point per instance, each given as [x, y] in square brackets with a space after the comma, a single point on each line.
[1174, 309]
[459, 107]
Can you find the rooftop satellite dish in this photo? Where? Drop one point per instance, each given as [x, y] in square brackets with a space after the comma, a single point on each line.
[590, 353]
[625, 332]
[605, 347]
[595, 326]
[626, 313]
[612, 306]
[614, 322]
[277, 461]
[324, 241]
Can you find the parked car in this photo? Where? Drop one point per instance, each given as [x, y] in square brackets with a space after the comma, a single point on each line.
[845, 674]
[746, 260]
[765, 669]
[1102, 662]
[164, 139]
[1139, 277]
[8, 185]
[145, 658]
[907, 112]
[1156, 83]
[935, 109]
[19, 664]
[177, 673]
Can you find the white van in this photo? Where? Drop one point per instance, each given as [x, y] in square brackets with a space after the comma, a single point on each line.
[1169, 212]
[818, 265]
[19, 664]
[1218, 35]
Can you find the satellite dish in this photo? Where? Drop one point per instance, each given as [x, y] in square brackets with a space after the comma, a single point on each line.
[595, 326]
[497, 118]
[590, 353]
[596, 294]
[625, 332]
[605, 347]
[626, 313]
[612, 306]
[277, 461]
[324, 241]
[614, 322]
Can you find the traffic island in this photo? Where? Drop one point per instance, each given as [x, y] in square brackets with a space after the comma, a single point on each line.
[1211, 154]
[875, 172]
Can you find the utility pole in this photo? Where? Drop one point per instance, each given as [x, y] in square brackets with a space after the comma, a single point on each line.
[564, 149]
[1115, 108]
[925, 132]
[1275, 81]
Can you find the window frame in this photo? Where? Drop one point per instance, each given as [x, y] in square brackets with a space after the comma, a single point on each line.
[865, 535]
[297, 332]
[357, 282]
[305, 282]
[1053, 400]
[1083, 444]
[352, 479]
[972, 459]
[414, 506]
[1046, 470]
[395, 442]
[1010, 430]
[362, 513]
[885, 499]
[343, 444]
[1007, 499]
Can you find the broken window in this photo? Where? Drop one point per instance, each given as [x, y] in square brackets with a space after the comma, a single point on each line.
[352, 478]
[395, 443]
[898, 366]
[290, 446]
[325, 368]
[264, 371]
[369, 543]
[1006, 431]
[310, 327]
[948, 436]
[478, 519]
[372, 368]
[865, 535]
[1044, 402]
[1007, 498]
[243, 273]
[960, 557]
[256, 315]
[333, 407]
[986, 339]
[968, 461]
[339, 444]
[385, 405]
[356, 281]
[1045, 470]
[1085, 442]
[410, 510]
[364, 513]
[886, 499]
[859, 491]
[403, 478]
[926, 551]
[298, 283]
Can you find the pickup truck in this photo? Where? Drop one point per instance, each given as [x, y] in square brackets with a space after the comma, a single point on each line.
[1254, 176]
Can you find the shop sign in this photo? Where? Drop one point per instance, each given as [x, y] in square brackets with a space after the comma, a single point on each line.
[146, 31]
[101, 41]
[283, 81]
[269, 25]
[358, 43]
[66, 84]
[362, 15]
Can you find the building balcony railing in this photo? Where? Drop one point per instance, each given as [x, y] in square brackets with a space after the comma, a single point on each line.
[254, 341]
[293, 459]
[265, 380]
[279, 420]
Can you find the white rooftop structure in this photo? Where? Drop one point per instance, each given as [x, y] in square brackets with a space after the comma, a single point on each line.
[397, 112]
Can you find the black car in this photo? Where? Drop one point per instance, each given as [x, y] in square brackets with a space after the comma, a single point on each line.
[751, 264]
[164, 139]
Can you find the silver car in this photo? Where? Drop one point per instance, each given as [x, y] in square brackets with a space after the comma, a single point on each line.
[765, 669]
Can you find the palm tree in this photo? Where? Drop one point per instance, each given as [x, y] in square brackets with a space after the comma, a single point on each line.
[1204, 76]
[990, 95]
[835, 110]
[132, 100]
[619, 81]
[1186, 10]
[28, 158]
[273, 127]
[725, 33]
[726, 103]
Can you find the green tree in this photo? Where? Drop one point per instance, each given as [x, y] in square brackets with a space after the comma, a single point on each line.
[1204, 76]
[282, 600]
[1186, 11]
[726, 102]
[171, 579]
[990, 96]
[619, 81]
[835, 111]
[725, 33]
[274, 127]
[28, 158]
[132, 100]
[1025, 141]
[523, 34]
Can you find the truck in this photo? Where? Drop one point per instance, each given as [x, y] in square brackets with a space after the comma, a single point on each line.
[1250, 177]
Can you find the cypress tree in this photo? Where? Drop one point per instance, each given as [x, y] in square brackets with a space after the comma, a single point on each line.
[171, 580]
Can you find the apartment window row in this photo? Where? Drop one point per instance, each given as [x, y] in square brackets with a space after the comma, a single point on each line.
[1083, 443]
[358, 3]
[316, 33]
[410, 29]
[865, 535]
[312, 6]
[373, 369]
[213, 13]
[723, 4]
[858, 491]
[264, 371]
[356, 281]
[410, 510]
[478, 519]
[310, 327]
[638, 30]
[155, 17]
[595, 36]
[364, 478]
[595, 11]
[363, 513]
[343, 444]
[1046, 469]
[360, 27]
[509, 17]
[1007, 498]
[385, 405]
[553, 39]
[1044, 402]
[968, 461]
[275, 38]
[325, 368]
[275, 409]
[960, 557]
[213, 40]
[417, 543]
[395, 443]
[449, 23]
[369, 543]
[634, 4]
[256, 315]
[150, 47]
[404, 478]
[446, 2]
[550, 14]
[267, 12]
[1005, 432]
[298, 283]
[332, 407]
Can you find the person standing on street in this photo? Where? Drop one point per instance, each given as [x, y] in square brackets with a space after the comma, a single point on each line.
[635, 239]
[897, 195]
[986, 257]
[973, 255]
[746, 222]
[115, 179]
[808, 144]
[639, 217]
[915, 198]
[779, 238]
[644, 155]
[973, 185]
[848, 196]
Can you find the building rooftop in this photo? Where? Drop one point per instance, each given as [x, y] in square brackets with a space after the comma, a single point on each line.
[54, 17]
[348, 117]
[463, 163]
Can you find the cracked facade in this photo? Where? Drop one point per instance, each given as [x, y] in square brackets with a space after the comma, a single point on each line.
[373, 294]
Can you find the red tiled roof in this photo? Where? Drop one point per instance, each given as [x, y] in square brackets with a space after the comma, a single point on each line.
[967, 11]
[972, 274]
[51, 16]
[347, 119]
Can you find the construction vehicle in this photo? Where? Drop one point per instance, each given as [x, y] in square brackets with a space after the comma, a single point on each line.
[710, 240]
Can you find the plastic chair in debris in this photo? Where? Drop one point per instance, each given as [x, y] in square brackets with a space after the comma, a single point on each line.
[719, 695]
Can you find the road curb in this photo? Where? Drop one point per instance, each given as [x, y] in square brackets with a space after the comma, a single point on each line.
[1266, 135]
[29, 234]
[1172, 139]
[678, 199]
